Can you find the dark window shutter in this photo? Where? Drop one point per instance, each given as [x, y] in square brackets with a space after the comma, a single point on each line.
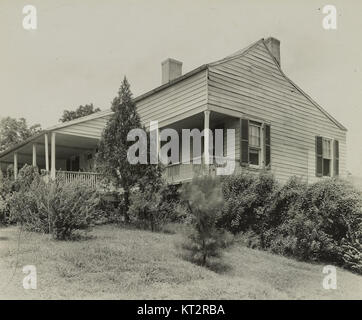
[319, 156]
[267, 146]
[67, 165]
[244, 142]
[336, 158]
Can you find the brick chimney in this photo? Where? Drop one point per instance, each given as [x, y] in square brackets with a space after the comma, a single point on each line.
[274, 47]
[171, 69]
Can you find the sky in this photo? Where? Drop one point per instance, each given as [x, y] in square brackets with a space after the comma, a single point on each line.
[82, 49]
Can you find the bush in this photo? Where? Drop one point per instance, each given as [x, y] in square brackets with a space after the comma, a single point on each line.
[352, 255]
[27, 174]
[324, 217]
[110, 208]
[152, 208]
[282, 199]
[316, 222]
[248, 239]
[6, 189]
[56, 207]
[204, 200]
[276, 210]
[246, 196]
[10, 187]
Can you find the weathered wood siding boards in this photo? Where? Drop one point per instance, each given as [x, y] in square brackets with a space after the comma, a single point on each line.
[92, 128]
[175, 102]
[253, 84]
[232, 123]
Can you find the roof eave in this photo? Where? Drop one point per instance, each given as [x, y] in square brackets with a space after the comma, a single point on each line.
[320, 108]
[23, 143]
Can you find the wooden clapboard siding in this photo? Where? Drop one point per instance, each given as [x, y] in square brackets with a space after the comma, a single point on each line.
[253, 84]
[174, 101]
[91, 128]
[232, 123]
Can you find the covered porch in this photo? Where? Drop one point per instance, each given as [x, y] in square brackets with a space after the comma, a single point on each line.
[55, 154]
[182, 172]
[66, 150]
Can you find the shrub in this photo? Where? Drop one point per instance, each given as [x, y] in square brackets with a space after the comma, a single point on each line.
[6, 188]
[152, 208]
[27, 209]
[276, 210]
[282, 199]
[9, 187]
[109, 208]
[323, 218]
[171, 195]
[318, 222]
[204, 200]
[246, 196]
[56, 207]
[352, 255]
[72, 208]
[248, 239]
[27, 174]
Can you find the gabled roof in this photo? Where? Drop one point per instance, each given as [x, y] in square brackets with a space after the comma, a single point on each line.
[335, 121]
[235, 55]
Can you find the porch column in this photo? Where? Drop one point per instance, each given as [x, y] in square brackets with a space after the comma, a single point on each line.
[207, 136]
[46, 145]
[34, 154]
[52, 170]
[158, 142]
[15, 165]
[155, 144]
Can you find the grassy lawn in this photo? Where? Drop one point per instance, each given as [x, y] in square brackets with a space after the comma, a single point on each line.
[118, 263]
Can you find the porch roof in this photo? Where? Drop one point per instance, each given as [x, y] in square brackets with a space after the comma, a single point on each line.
[66, 146]
[82, 133]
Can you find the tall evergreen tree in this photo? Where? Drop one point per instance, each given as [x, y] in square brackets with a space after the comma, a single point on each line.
[113, 147]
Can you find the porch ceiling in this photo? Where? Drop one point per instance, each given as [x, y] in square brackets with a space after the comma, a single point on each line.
[65, 146]
[197, 121]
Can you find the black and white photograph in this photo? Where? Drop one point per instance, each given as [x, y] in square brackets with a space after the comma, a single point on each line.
[200, 150]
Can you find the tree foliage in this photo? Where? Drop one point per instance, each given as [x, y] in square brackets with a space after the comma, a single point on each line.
[204, 200]
[113, 147]
[14, 131]
[81, 111]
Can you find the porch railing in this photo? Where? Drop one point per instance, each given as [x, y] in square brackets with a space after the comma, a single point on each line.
[181, 172]
[92, 178]
[178, 172]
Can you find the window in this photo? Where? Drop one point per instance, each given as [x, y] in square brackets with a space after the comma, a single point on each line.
[254, 135]
[254, 143]
[327, 157]
[327, 148]
[254, 157]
